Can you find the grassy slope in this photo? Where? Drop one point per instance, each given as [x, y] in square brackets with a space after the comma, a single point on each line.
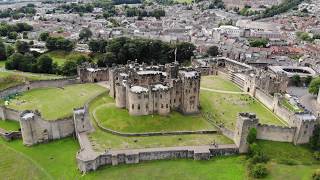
[15, 165]
[120, 120]
[218, 83]
[10, 125]
[225, 108]
[57, 159]
[12, 78]
[280, 153]
[49, 101]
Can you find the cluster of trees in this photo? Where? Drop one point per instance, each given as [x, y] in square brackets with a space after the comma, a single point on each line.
[130, 12]
[59, 43]
[304, 36]
[21, 58]
[247, 11]
[28, 10]
[256, 157]
[278, 9]
[120, 50]
[77, 8]
[258, 42]
[213, 51]
[11, 30]
[314, 85]
[217, 4]
[116, 2]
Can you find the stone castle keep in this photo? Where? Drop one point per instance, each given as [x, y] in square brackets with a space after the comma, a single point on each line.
[145, 90]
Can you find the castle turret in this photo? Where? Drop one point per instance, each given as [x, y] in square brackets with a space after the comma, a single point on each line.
[305, 124]
[245, 122]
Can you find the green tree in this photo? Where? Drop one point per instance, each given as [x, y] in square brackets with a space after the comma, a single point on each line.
[3, 54]
[314, 86]
[9, 50]
[44, 36]
[12, 35]
[296, 80]
[44, 64]
[69, 68]
[184, 51]
[85, 34]
[22, 47]
[106, 60]
[252, 135]
[213, 51]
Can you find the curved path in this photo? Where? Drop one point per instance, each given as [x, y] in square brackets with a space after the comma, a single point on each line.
[222, 91]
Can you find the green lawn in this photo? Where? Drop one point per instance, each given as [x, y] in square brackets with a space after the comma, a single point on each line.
[102, 140]
[61, 56]
[110, 116]
[218, 83]
[56, 103]
[9, 125]
[56, 160]
[226, 107]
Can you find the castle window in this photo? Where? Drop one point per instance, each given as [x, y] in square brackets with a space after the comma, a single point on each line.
[156, 105]
[174, 100]
[161, 105]
[160, 96]
[132, 106]
[180, 100]
[177, 92]
[147, 106]
[190, 83]
[167, 106]
[138, 106]
[305, 132]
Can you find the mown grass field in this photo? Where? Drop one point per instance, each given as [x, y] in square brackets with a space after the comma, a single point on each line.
[218, 83]
[226, 107]
[105, 111]
[60, 57]
[9, 125]
[56, 103]
[56, 160]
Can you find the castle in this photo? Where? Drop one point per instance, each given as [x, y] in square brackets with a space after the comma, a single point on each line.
[144, 90]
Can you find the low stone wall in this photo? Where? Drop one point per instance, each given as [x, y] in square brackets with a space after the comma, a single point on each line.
[8, 113]
[10, 135]
[114, 157]
[37, 84]
[267, 100]
[36, 130]
[275, 133]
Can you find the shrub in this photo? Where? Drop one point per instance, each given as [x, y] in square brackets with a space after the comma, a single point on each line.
[254, 149]
[252, 135]
[316, 175]
[258, 171]
[289, 162]
[259, 158]
[316, 155]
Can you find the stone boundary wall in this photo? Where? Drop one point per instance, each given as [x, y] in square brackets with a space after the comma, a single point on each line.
[264, 98]
[37, 84]
[227, 132]
[36, 130]
[10, 135]
[275, 133]
[134, 156]
[9, 114]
